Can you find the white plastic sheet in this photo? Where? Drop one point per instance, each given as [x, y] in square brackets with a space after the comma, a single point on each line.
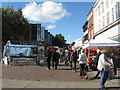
[100, 42]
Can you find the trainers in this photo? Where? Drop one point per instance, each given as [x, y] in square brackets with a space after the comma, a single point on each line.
[48, 69]
[52, 68]
[81, 77]
[86, 77]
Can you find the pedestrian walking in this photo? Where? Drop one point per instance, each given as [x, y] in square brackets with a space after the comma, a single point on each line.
[74, 59]
[112, 56]
[70, 58]
[113, 68]
[104, 67]
[96, 62]
[48, 55]
[82, 61]
[69, 54]
[66, 58]
[55, 59]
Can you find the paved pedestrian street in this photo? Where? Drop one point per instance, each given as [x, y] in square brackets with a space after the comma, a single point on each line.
[39, 77]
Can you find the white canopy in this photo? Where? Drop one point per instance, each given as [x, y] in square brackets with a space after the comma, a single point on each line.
[100, 42]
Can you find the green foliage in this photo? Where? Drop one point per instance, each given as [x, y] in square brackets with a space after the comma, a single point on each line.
[14, 26]
[59, 40]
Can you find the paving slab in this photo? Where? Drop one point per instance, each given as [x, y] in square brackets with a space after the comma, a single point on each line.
[39, 77]
[8, 83]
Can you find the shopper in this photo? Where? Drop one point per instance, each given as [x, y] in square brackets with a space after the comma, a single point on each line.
[74, 59]
[48, 55]
[69, 54]
[82, 61]
[114, 63]
[70, 58]
[104, 67]
[55, 59]
[66, 58]
[96, 62]
[113, 68]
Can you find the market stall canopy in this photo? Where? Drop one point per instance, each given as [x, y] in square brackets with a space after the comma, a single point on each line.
[16, 49]
[100, 42]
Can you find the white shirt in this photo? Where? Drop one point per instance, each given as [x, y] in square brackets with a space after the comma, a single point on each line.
[103, 63]
[82, 58]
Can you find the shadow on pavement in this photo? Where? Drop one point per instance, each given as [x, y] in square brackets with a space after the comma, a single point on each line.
[117, 77]
[112, 88]
[63, 69]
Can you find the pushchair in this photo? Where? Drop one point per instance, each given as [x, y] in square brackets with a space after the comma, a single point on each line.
[92, 64]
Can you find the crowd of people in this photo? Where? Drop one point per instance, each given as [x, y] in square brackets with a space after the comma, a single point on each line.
[105, 62]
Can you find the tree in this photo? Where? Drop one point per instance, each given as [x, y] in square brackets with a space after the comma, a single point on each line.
[14, 26]
[59, 40]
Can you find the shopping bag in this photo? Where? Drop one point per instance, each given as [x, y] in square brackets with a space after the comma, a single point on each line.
[111, 73]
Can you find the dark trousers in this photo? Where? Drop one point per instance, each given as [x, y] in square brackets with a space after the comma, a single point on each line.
[73, 64]
[48, 62]
[55, 63]
[82, 70]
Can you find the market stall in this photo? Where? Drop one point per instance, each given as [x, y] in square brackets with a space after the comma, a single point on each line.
[100, 42]
[103, 43]
[15, 54]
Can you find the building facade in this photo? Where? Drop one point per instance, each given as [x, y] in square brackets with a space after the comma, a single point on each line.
[39, 35]
[35, 32]
[85, 30]
[78, 43]
[90, 24]
[107, 19]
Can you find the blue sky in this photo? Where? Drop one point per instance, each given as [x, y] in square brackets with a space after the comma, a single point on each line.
[70, 26]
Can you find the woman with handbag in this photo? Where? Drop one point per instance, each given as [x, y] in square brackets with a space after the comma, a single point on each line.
[82, 61]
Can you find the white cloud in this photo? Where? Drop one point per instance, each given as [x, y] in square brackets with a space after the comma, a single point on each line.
[68, 37]
[48, 11]
[51, 26]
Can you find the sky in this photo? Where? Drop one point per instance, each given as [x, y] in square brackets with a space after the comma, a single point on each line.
[66, 18]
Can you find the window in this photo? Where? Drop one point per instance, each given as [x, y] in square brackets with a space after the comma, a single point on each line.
[107, 4]
[103, 22]
[102, 6]
[97, 13]
[99, 10]
[117, 10]
[38, 33]
[111, 1]
[112, 14]
[89, 35]
[99, 24]
[108, 18]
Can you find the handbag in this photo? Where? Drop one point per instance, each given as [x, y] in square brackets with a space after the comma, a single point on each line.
[111, 73]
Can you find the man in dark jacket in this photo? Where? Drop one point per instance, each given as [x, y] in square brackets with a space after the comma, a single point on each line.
[48, 55]
[55, 59]
[74, 59]
[96, 61]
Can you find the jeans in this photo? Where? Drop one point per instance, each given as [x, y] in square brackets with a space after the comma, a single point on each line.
[103, 77]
